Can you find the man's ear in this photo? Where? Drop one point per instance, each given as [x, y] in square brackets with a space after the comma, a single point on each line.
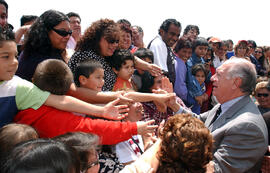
[82, 79]
[237, 82]
[115, 71]
[161, 32]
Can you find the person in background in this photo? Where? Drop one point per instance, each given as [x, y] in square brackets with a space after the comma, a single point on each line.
[191, 33]
[26, 23]
[262, 95]
[75, 26]
[125, 38]
[230, 51]
[137, 36]
[241, 49]
[164, 57]
[259, 55]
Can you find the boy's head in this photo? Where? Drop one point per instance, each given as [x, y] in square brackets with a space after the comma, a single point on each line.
[199, 72]
[122, 63]
[89, 74]
[200, 46]
[145, 54]
[28, 19]
[54, 76]
[183, 49]
[8, 54]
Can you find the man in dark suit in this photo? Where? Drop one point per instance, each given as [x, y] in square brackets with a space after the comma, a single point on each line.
[238, 129]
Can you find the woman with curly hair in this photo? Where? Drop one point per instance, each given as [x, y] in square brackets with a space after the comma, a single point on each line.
[47, 39]
[99, 42]
[185, 146]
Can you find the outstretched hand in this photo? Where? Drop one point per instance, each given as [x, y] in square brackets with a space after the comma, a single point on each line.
[115, 112]
[145, 127]
[154, 69]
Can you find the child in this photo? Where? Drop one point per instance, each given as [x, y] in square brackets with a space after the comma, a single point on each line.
[183, 51]
[122, 63]
[51, 122]
[146, 55]
[199, 50]
[199, 72]
[18, 94]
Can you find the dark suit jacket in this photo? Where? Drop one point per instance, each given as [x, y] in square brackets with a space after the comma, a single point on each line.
[240, 137]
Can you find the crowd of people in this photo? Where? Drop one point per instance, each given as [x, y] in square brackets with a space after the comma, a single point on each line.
[104, 101]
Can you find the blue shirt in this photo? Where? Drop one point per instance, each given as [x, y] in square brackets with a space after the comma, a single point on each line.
[180, 87]
[193, 86]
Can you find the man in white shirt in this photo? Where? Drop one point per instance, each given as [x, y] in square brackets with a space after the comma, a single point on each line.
[169, 33]
[75, 25]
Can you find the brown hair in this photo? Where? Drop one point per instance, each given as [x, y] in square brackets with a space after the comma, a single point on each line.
[102, 28]
[186, 145]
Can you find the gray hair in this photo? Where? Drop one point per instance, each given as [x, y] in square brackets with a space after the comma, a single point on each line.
[245, 70]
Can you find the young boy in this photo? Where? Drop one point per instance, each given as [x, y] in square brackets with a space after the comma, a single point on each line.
[183, 51]
[51, 122]
[146, 55]
[199, 72]
[18, 94]
[122, 63]
[199, 50]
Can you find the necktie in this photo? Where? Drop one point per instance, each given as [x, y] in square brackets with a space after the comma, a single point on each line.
[216, 115]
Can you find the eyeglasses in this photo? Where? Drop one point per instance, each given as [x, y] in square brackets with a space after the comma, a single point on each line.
[257, 51]
[62, 32]
[112, 41]
[262, 95]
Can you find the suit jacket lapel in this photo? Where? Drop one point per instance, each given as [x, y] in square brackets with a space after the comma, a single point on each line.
[229, 114]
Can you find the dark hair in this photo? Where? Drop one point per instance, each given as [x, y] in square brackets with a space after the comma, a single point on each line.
[41, 156]
[102, 28]
[181, 43]
[166, 24]
[5, 4]
[126, 29]
[124, 22]
[119, 58]
[27, 18]
[230, 41]
[54, 76]
[139, 28]
[143, 53]
[190, 27]
[73, 14]
[84, 143]
[147, 82]
[6, 34]
[212, 52]
[253, 43]
[186, 145]
[198, 67]
[38, 41]
[85, 68]
[200, 41]
[11, 135]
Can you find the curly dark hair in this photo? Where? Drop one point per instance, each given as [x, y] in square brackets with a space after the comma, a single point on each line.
[186, 145]
[38, 41]
[102, 28]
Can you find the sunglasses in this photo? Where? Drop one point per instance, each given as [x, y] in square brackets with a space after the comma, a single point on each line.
[262, 95]
[112, 41]
[62, 32]
[257, 51]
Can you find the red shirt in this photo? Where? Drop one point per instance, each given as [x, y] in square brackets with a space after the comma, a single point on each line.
[51, 122]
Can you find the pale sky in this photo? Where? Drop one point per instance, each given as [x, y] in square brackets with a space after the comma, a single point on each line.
[227, 19]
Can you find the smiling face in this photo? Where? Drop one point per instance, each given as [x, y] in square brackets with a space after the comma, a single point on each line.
[222, 84]
[95, 81]
[107, 48]
[8, 60]
[171, 36]
[58, 41]
[184, 53]
[125, 40]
